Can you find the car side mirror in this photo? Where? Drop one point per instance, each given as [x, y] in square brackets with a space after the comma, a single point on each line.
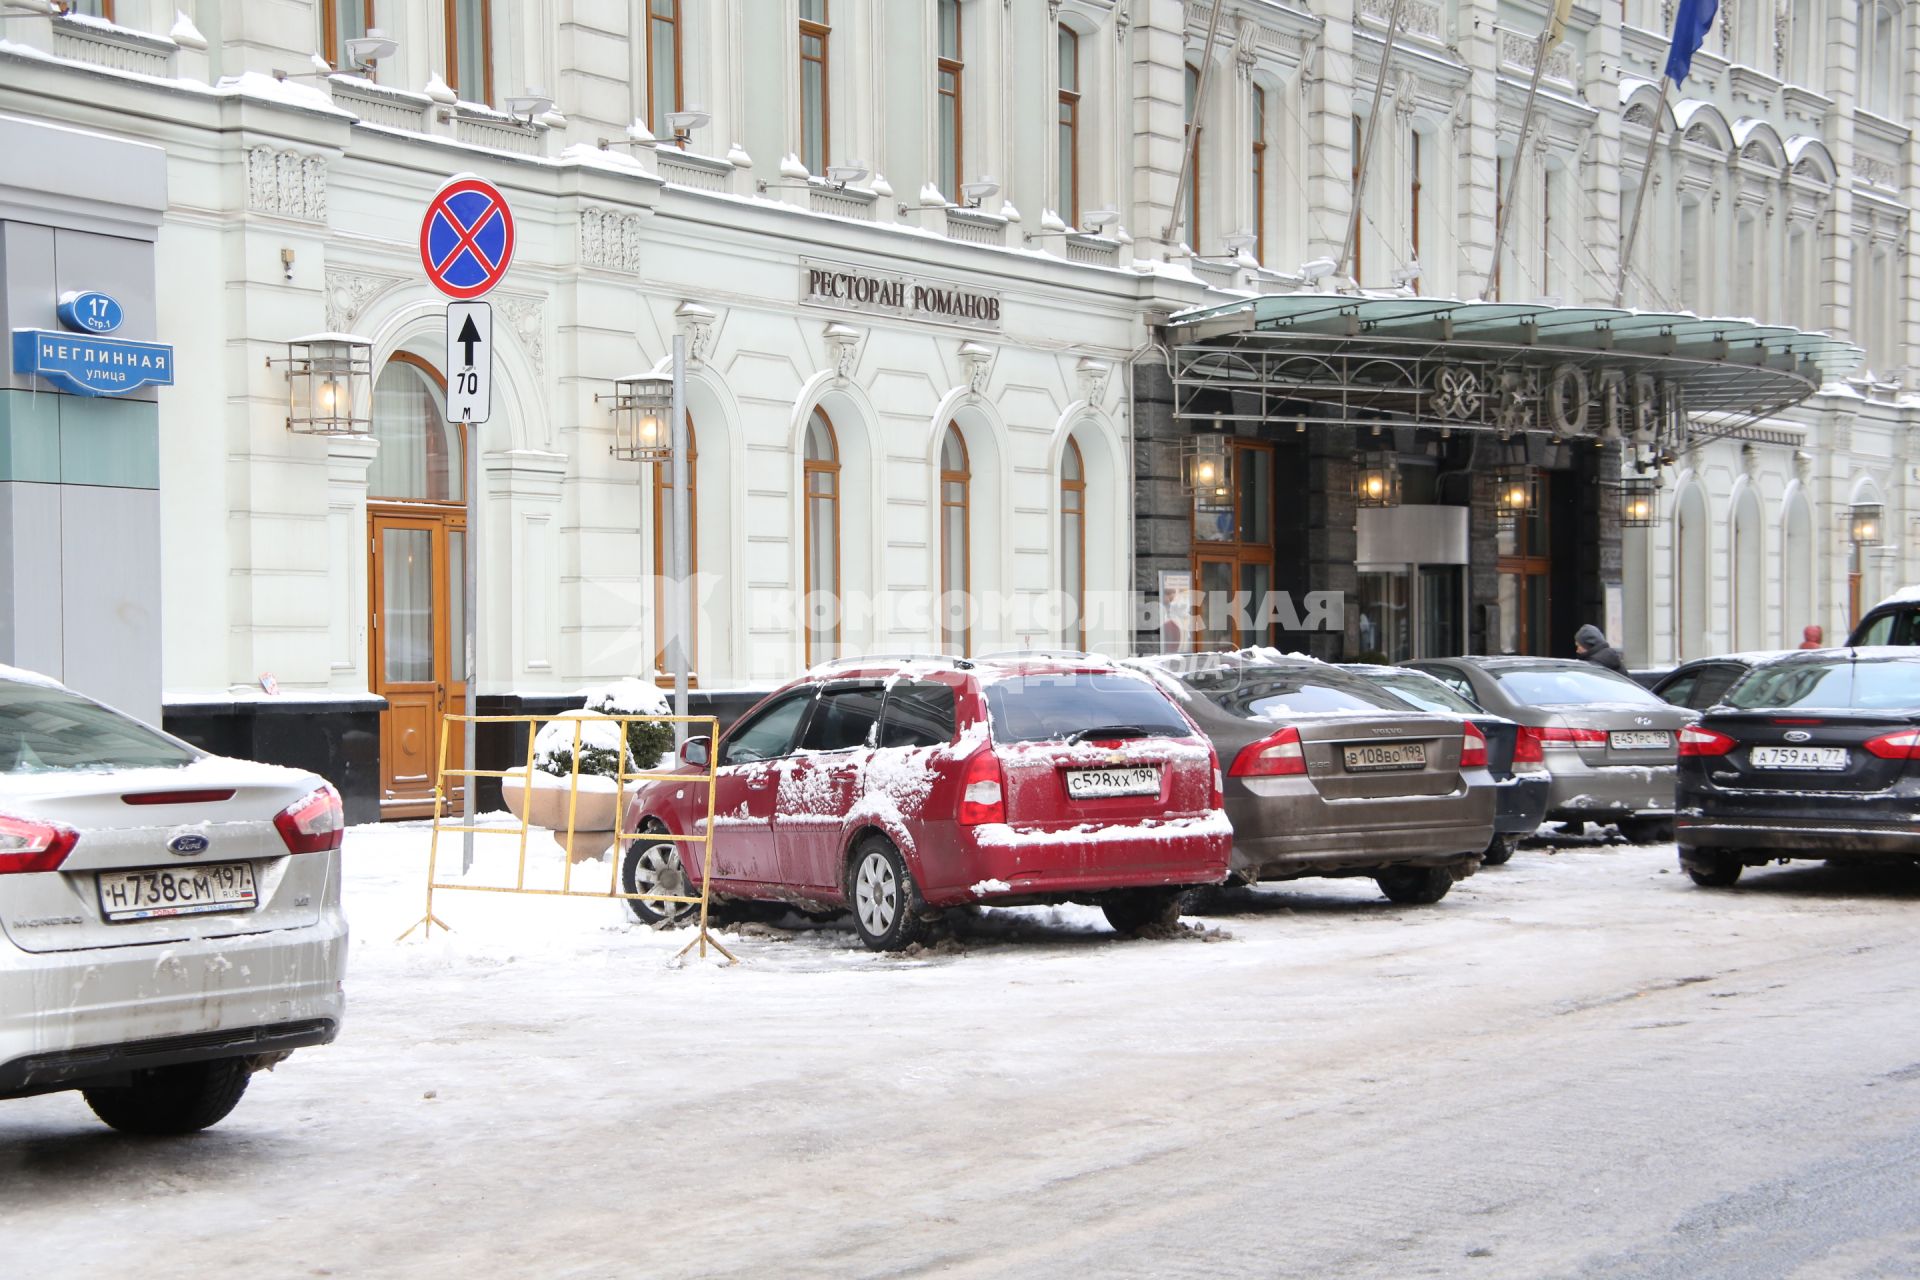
[696, 752]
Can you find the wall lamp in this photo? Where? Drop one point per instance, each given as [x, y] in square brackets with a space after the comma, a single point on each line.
[642, 408]
[362, 53]
[327, 375]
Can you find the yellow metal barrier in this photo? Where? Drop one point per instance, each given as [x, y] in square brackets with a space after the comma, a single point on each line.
[441, 794]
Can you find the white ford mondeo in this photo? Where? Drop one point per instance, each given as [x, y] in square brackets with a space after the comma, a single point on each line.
[170, 921]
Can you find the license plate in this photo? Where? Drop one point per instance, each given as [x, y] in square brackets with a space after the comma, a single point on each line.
[1640, 740]
[1386, 755]
[1797, 757]
[1093, 784]
[177, 891]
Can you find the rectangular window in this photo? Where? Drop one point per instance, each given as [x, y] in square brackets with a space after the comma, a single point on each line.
[1360, 226]
[1067, 129]
[815, 146]
[663, 64]
[1546, 231]
[470, 49]
[1413, 199]
[92, 8]
[952, 113]
[341, 21]
[1259, 173]
[919, 714]
[1193, 145]
[1499, 212]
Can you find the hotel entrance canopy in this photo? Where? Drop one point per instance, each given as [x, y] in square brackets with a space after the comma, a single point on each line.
[1491, 366]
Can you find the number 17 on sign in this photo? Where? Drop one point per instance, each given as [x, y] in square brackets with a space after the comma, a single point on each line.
[469, 361]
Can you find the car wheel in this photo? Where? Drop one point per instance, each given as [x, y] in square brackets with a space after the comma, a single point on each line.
[1415, 886]
[1646, 830]
[1131, 910]
[882, 896]
[1499, 850]
[654, 867]
[1713, 870]
[172, 1100]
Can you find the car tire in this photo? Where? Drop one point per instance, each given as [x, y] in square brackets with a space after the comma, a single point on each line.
[167, 1101]
[1713, 870]
[1500, 850]
[1646, 830]
[654, 867]
[882, 896]
[1415, 886]
[1131, 910]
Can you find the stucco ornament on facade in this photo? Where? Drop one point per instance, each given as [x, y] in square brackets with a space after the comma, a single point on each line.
[287, 184]
[610, 239]
[977, 360]
[843, 348]
[695, 323]
[348, 294]
[1093, 375]
[527, 316]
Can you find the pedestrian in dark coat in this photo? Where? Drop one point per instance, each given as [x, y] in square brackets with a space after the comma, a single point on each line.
[1591, 644]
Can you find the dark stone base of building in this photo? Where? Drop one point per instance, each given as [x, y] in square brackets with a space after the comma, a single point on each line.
[337, 739]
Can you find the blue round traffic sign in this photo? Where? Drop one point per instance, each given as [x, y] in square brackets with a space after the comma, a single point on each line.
[466, 239]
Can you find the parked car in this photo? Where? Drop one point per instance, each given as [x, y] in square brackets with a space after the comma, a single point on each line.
[169, 920]
[897, 788]
[1608, 744]
[1894, 621]
[1327, 774]
[1702, 682]
[1812, 755]
[1515, 768]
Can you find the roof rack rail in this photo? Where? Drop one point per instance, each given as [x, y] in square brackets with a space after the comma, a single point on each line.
[863, 659]
[1072, 655]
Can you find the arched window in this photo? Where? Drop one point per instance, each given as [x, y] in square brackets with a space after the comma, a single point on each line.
[822, 471]
[663, 549]
[955, 480]
[1193, 143]
[1796, 572]
[1879, 45]
[1690, 576]
[419, 456]
[1748, 551]
[1073, 543]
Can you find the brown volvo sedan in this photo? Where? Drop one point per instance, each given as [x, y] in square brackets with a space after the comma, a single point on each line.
[1329, 775]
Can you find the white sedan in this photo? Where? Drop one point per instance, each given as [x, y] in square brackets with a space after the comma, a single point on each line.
[170, 920]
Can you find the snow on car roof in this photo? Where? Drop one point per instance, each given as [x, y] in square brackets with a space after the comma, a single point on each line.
[20, 675]
[1905, 595]
[1864, 653]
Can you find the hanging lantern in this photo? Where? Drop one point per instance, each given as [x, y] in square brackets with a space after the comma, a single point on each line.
[1206, 468]
[1639, 500]
[1516, 492]
[1376, 478]
[328, 375]
[642, 408]
[1864, 526]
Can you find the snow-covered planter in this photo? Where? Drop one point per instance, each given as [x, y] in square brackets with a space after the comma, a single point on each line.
[596, 806]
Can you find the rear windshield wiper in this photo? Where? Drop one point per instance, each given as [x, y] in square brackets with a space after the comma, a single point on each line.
[1111, 731]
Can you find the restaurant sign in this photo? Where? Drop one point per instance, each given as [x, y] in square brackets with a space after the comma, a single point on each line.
[868, 292]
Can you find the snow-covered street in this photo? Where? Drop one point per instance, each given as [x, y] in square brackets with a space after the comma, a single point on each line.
[1577, 1064]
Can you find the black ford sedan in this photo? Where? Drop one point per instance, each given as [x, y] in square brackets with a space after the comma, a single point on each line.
[1815, 755]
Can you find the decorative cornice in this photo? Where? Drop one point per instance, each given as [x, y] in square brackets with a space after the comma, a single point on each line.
[287, 184]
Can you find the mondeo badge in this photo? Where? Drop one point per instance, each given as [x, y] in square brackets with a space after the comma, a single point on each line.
[187, 844]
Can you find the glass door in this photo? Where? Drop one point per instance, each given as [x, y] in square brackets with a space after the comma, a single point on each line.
[417, 638]
[1233, 552]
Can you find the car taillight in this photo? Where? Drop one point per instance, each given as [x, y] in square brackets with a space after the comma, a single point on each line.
[314, 823]
[1557, 736]
[1473, 750]
[33, 846]
[1695, 741]
[1904, 745]
[1277, 755]
[984, 796]
[1219, 784]
[1526, 746]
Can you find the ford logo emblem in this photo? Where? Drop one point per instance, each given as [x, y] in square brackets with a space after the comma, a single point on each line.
[1796, 735]
[188, 844]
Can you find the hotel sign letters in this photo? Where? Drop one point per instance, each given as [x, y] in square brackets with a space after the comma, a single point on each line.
[844, 288]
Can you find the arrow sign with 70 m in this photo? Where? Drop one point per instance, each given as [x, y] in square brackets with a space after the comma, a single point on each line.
[469, 361]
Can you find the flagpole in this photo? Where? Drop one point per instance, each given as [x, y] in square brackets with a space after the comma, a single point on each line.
[1519, 154]
[1366, 145]
[1640, 196]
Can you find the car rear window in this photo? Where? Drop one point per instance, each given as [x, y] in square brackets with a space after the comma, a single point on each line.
[1037, 708]
[48, 729]
[1424, 692]
[1882, 686]
[918, 714]
[1571, 686]
[1265, 692]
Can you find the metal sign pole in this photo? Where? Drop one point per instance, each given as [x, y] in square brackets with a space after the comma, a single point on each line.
[470, 627]
[681, 588]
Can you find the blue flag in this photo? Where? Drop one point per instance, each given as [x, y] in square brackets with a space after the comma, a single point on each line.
[1690, 28]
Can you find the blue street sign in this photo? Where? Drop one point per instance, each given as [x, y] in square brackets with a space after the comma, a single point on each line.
[90, 312]
[89, 365]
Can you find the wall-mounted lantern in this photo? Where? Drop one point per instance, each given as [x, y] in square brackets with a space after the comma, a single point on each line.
[1376, 478]
[328, 376]
[1516, 492]
[1864, 524]
[641, 407]
[1206, 468]
[1639, 501]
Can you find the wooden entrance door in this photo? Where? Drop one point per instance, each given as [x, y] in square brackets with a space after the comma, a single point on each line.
[1233, 552]
[415, 583]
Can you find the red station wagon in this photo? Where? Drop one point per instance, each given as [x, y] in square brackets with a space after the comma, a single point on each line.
[894, 788]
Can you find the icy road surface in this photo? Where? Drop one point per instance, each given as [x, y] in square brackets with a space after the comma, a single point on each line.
[1577, 1065]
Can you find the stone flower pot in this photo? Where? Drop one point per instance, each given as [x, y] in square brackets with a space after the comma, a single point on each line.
[594, 815]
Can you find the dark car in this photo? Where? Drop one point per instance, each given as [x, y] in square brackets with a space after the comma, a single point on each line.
[1701, 683]
[1609, 745]
[1815, 755]
[1329, 775]
[1894, 621]
[1515, 768]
